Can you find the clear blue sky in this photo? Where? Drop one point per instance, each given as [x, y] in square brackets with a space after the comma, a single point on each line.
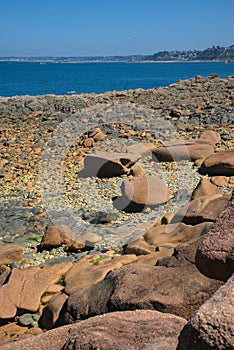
[112, 27]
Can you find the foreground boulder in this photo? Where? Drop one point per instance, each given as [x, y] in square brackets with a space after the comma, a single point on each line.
[212, 326]
[221, 163]
[142, 191]
[215, 255]
[129, 330]
[108, 164]
[25, 288]
[179, 290]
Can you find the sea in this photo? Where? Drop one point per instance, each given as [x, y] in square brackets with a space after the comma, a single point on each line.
[40, 78]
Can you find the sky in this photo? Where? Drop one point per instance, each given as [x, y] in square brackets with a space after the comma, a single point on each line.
[112, 27]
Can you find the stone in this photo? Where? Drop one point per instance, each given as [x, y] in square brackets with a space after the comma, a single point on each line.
[189, 150]
[89, 237]
[144, 149]
[177, 290]
[153, 258]
[221, 163]
[127, 330]
[206, 208]
[175, 233]
[28, 320]
[142, 191]
[215, 254]
[211, 326]
[138, 247]
[219, 180]
[137, 170]
[210, 136]
[184, 254]
[56, 236]
[84, 274]
[10, 253]
[52, 311]
[26, 287]
[89, 142]
[108, 164]
[96, 134]
[205, 188]
[11, 333]
[53, 289]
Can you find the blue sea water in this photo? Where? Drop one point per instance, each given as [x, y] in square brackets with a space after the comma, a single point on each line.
[32, 78]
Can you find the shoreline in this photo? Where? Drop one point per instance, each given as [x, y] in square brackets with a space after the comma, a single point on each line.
[111, 61]
[113, 93]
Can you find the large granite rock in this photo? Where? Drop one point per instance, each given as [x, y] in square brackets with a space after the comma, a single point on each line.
[188, 150]
[129, 330]
[215, 254]
[108, 164]
[212, 326]
[205, 188]
[179, 290]
[201, 209]
[25, 288]
[221, 163]
[142, 191]
[175, 233]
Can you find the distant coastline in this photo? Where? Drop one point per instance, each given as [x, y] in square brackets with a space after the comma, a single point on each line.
[213, 54]
[44, 61]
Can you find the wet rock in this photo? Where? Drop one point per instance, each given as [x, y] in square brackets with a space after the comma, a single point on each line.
[10, 253]
[108, 164]
[211, 327]
[221, 163]
[28, 320]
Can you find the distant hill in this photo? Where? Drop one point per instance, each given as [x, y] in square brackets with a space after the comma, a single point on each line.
[216, 53]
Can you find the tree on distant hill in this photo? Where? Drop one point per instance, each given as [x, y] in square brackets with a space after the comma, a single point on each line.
[213, 53]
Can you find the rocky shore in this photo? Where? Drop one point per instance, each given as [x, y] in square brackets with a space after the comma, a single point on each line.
[117, 227]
